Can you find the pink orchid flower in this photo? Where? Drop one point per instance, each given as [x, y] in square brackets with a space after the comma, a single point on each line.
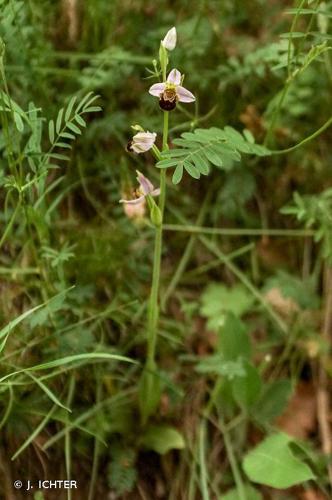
[170, 92]
[146, 188]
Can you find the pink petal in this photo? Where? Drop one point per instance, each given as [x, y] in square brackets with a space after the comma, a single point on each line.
[184, 95]
[145, 184]
[136, 201]
[157, 89]
[174, 77]
[155, 192]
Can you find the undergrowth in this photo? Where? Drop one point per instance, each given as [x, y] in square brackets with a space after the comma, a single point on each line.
[224, 393]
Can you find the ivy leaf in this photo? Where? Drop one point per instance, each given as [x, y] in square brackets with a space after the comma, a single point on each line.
[272, 463]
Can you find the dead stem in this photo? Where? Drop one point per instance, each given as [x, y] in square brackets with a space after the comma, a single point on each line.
[5, 472]
[70, 8]
[323, 397]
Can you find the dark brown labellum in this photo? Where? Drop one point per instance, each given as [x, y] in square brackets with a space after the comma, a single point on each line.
[168, 100]
[166, 105]
[129, 147]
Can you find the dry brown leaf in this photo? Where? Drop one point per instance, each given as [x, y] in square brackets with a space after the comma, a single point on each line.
[299, 418]
[312, 495]
[253, 121]
[283, 305]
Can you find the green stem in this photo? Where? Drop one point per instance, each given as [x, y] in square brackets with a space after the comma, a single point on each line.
[307, 139]
[230, 231]
[203, 470]
[11, 222]
[233, 462]
[185, 256]
[289, 80]
[153, 310]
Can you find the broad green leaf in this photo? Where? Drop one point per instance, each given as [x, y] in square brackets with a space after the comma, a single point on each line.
[233, 339]
[217, 300]
[272, 463]
[273, 401]
[247, 388]
[250, 492]
[303, 292]
[161, 438]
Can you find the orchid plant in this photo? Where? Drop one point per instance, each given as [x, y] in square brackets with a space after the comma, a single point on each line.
[194, 153]
[169, 92]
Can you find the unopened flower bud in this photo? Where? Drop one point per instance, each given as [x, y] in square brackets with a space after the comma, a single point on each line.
[155, 214]
[169, 42]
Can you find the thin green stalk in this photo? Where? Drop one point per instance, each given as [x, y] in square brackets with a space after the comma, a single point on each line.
[97, 445]
[288, 81]
[294, 22]
[233, 462]
[9, 406]
[185, 257]
[237, 232]
[11, 222]
[247, 283]
[228, 443]
[204, 268]
[153, 310]
[35, 433]
[307, 139]
[237, 272]
[203, 471]
[68, 435]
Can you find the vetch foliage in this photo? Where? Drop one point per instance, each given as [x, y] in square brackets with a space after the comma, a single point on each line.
[203, 147]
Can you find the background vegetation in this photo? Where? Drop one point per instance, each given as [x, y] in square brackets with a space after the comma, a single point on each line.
[245, 328]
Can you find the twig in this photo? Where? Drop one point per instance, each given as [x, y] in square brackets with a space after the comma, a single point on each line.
[323, 397]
